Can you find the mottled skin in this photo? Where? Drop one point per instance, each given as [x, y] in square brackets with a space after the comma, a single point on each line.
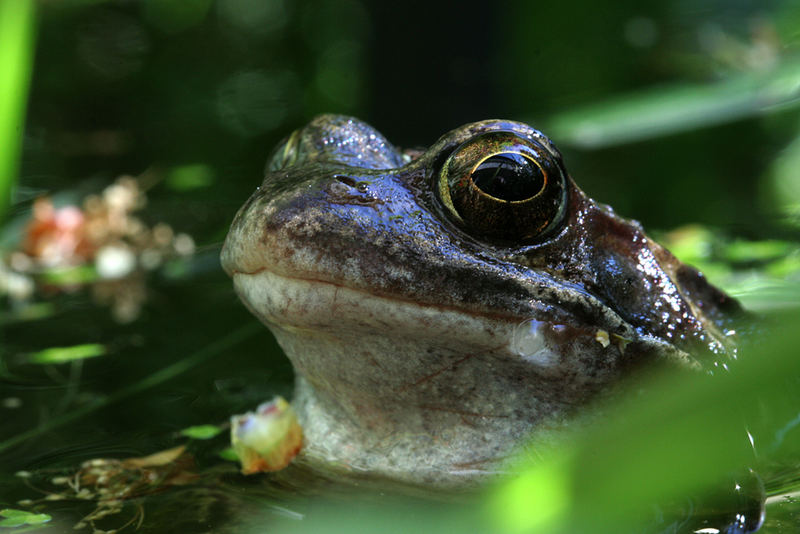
[403, 325]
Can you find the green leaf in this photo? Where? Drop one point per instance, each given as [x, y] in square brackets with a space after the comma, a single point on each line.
[669, 110]
[229, 454]
[68, 354]
[38, 519]
[783, 185]
[535, 501]
[762, 293]
[691, 244]
[201, 431]
[749, 251]
[28, 312]
[11, 512]
[189, 177]
[16, 518]
[68, 276]
[785, 266]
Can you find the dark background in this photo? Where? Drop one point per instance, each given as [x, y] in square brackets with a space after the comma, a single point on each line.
[120, 87]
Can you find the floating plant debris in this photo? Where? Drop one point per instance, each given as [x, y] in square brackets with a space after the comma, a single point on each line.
[100, 244]
[111, 483]
[267, 439]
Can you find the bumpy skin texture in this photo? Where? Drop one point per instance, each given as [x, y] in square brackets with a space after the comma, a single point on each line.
[405, 329]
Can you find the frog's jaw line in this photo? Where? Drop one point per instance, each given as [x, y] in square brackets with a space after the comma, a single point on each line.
[292, 302]
[383, 415]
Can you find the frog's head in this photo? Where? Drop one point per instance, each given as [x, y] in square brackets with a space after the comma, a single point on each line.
[473, 281]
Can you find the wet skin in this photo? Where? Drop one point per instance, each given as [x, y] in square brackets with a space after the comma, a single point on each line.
[440, 305]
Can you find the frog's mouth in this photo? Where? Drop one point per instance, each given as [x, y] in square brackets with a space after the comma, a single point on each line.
[313, 306]
[318, 308]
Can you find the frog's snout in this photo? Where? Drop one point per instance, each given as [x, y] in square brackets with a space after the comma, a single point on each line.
[658, 295]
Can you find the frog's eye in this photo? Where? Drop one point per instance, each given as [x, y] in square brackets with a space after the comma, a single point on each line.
[503, 186]
[285, 154]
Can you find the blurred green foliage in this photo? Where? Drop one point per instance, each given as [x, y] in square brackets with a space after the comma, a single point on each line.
[17, 22]
[680, 439]
[201, 431]
[18, 518]
[636, 117]
[67, 354]
[763, 275]
[782, 188]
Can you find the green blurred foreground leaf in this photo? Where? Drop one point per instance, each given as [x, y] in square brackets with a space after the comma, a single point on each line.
[683, 436]
[669, 110]
[17, 22]
[547, 487]
[68, 354]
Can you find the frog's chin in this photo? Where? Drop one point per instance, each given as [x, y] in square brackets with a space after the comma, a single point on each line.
[427, 393]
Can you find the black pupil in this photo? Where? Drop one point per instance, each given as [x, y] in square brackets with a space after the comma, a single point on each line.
[508, 177]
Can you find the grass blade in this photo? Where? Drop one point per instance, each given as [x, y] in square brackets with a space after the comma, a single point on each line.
[17, 28]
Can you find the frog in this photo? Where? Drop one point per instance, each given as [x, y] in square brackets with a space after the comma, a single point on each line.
[441, 306]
